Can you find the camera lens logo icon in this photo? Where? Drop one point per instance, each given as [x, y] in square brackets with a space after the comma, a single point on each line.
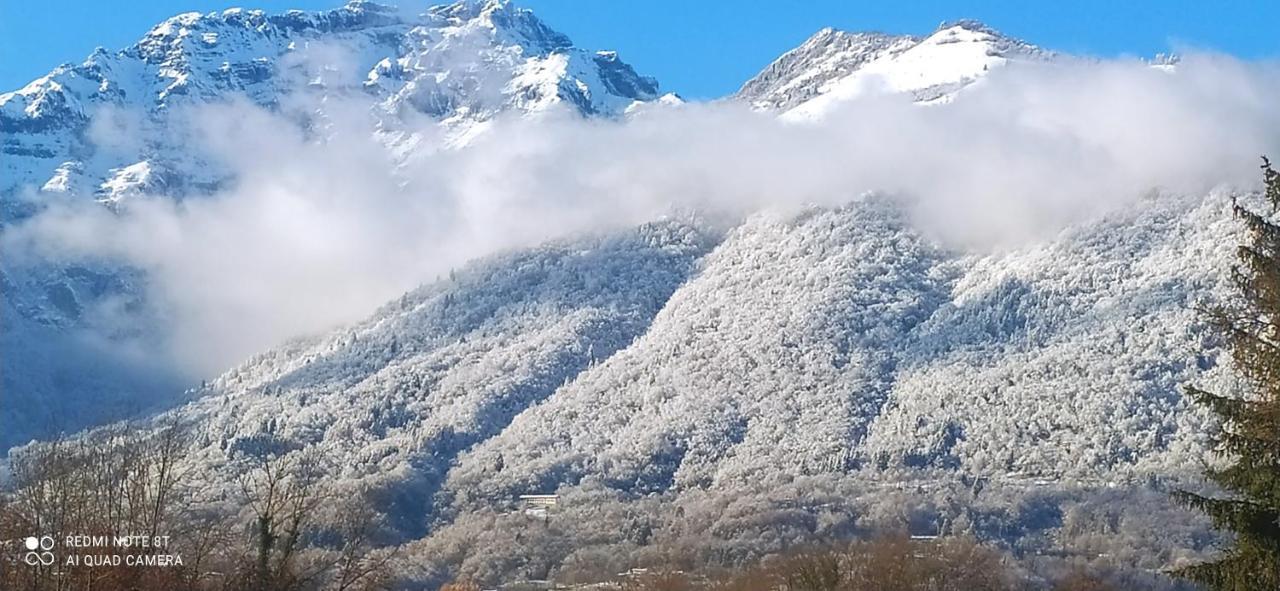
[39, 551]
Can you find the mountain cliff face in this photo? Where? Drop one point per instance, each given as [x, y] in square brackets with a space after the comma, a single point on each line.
[836, 65]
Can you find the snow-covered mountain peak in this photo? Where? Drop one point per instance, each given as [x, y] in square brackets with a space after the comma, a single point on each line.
[466, 10]
[491, 13]
[833, 66]
[828, 55]
[459, 63]
[505, 21]
[976, 33]
[967, 24]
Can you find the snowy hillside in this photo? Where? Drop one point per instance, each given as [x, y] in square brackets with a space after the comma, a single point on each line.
[396, 398]
[833, 66]
[842, 342]
[837, 344]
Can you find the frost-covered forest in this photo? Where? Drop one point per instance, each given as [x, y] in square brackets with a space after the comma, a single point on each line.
[717, 396]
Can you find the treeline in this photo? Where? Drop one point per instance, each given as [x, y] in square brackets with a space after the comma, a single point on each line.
[75, 500]
[891, 563]
[287, 528]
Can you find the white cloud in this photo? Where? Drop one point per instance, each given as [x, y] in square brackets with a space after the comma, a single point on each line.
[319, 233]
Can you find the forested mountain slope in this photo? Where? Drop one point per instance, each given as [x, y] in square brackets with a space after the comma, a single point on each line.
[395, 399]
[831, 349]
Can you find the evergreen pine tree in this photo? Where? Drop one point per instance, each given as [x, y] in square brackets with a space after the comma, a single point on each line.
[1249, 436]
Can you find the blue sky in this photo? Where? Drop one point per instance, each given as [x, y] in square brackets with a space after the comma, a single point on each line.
[703, 49]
